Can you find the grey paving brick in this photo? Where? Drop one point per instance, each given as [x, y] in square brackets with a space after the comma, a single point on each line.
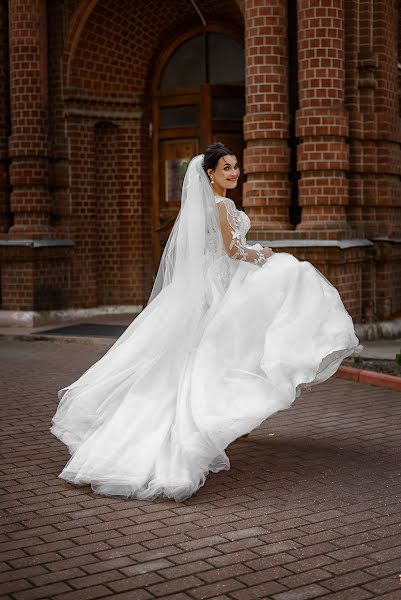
[308, 512]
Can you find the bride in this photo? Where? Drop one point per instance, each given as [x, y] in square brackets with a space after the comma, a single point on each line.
[231, 335]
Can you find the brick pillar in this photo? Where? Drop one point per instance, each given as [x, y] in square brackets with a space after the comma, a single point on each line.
[28, 144]
[4, 123]
[266, 194]
[59, 168]
[322, 121]
[375, 125]
[385, 135]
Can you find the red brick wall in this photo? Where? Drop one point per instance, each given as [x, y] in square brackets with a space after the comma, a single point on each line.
[120, 236]
[388, 281]
[118, 36]
[375, 126]
[322, 120]
[59, 175]
[35, 278]
[4, 121]
[17, 285]
[388, 118]
[145, 194]
[107, 213]
[109, 70]
[399, 60]
[90, 178]
[266, 193]
[28, 143]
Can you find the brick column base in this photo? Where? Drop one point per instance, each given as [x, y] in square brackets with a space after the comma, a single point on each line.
[35, 275]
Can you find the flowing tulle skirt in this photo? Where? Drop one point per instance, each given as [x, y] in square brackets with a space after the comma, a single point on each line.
[140, 428]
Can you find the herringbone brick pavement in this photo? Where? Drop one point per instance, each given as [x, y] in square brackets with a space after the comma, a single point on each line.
[310, 507]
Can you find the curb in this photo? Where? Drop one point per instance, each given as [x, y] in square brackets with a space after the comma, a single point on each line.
[38, 337]
[370, 377]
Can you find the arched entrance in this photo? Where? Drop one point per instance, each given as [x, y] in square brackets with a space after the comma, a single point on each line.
[198, 99]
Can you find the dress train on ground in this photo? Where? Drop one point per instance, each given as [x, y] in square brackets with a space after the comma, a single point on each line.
[143, 429]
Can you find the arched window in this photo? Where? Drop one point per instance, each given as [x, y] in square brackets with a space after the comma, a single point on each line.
[208, 58]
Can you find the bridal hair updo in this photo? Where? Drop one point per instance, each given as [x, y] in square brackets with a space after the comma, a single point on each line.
[213, 154]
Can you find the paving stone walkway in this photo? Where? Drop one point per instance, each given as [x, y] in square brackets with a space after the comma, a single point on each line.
[310, 508]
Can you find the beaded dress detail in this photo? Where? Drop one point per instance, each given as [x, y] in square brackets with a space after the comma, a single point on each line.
[240, 224]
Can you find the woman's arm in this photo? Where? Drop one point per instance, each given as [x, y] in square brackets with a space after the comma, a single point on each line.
[233, 244]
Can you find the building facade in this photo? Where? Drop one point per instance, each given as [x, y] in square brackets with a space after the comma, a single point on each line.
[103, 102]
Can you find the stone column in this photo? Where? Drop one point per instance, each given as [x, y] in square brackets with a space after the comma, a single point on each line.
[28, 144]
[266, 194]
[322, 120]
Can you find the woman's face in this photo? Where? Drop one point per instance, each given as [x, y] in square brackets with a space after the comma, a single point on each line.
[225, 175]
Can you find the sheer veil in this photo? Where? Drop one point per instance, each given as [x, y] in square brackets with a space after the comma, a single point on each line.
[195, 232]
[178, 295]
[169, 326]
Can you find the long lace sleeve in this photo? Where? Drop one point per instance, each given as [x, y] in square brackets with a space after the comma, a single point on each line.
[233, 235]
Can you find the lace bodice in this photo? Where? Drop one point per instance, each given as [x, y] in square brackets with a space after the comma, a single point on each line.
[236, 227]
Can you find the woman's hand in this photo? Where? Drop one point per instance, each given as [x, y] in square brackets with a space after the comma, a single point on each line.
[267, 251]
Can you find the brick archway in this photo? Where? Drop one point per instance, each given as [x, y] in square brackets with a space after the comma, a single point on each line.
[109, 56]
[86, 7]
[77, 25]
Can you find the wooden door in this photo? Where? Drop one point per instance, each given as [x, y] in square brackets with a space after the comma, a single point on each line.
[227, 108]
[174, 157]
[198, 99]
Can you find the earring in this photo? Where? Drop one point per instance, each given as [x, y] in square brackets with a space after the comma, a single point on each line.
[212, 182]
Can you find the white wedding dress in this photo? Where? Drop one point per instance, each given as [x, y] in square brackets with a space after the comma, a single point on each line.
[153, 417]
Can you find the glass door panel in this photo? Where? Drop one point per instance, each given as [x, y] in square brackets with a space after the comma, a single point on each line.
[173, 117]
[174, 159]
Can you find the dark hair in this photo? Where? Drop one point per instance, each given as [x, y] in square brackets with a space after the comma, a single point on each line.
[213, 154]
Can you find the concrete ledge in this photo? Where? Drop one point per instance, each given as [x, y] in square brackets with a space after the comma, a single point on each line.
[342, 244]
[387, 239]
[382, 330]
[27, 318]
[36, 243]
[64, 339]
[390, 382]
